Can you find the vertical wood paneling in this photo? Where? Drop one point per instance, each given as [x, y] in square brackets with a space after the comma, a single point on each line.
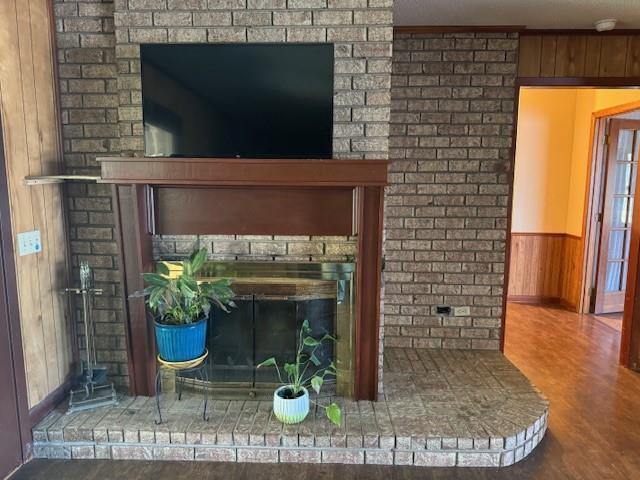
[570, 55]
[529, 64]
[17, 155]
[552, 55]
[41, 277]
[30, 122]
[572, 267]
[592, 56]
[51, 160]
[633, 57]
[548, 56]
[545, 268]
[533, 258]
[613, 56]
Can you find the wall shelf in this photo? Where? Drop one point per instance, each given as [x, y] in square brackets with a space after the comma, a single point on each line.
[53, 179]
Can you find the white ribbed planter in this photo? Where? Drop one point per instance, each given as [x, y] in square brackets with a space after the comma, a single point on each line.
[290, 411]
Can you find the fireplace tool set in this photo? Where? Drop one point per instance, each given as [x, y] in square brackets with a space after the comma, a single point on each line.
[94, 390]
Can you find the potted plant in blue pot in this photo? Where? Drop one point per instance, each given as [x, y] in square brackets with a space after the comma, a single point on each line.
[181, 305]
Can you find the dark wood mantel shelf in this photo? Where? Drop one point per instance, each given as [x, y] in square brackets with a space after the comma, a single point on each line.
[239, 172]
[248, 197]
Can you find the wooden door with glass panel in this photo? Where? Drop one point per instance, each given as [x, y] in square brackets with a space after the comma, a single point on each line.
[620, 186]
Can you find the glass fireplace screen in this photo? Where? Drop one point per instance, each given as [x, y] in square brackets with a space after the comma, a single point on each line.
[273, 300]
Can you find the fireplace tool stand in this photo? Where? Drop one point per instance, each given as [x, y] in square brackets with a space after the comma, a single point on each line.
[94, 391]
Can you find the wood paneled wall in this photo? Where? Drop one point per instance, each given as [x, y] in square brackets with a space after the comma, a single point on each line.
[551, 55]
[31, 123]
[545, 268]
[572, 269]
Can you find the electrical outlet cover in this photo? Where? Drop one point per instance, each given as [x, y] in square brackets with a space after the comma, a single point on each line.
[29, 243]
[461, 311]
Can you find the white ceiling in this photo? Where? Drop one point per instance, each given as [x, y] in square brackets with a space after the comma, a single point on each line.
[531, 13]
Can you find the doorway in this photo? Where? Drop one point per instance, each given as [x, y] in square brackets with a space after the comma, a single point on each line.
[573, 200]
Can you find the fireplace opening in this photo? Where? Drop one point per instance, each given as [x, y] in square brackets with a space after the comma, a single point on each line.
[273, 300]
[268, 323]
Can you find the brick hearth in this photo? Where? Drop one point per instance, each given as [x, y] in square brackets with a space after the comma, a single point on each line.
[439, 408]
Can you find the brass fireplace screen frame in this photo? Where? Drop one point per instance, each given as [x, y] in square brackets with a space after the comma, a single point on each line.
[342, 273]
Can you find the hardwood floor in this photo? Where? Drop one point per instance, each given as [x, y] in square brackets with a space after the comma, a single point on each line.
[594, 428]
[613, 320]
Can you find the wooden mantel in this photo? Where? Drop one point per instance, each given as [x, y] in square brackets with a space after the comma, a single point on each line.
[248, 197]
[243, 172]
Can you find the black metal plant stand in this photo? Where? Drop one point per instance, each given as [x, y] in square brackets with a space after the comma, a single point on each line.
[197, 366]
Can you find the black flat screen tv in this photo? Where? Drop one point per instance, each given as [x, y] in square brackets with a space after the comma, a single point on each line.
[238, 100]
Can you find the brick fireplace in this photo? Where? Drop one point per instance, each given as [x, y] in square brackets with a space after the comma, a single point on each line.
[99, 68]
[446, 220]
[451, 133]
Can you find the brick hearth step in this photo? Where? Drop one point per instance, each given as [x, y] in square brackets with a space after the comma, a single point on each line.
[439, 408]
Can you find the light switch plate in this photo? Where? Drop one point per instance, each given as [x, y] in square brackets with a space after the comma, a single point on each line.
[29, 243]
[461, 311]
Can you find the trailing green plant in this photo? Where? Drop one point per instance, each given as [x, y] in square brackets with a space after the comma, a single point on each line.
[182, 299]
[297, 373]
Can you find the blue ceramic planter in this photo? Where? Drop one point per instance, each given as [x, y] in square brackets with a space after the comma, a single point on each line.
[180, 343]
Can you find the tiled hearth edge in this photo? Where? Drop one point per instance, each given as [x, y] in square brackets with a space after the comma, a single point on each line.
[374, 450]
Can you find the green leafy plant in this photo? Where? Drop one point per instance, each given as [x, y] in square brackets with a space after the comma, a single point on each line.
[297, 373]
[182, 299]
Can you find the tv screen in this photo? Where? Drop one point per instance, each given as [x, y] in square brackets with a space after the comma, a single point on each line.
[238, 100]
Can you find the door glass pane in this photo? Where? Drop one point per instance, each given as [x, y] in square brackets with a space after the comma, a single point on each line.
[625, 145]
[623, 174]
[613, 277]
[617, 240]
[621, 214]
[625, 178]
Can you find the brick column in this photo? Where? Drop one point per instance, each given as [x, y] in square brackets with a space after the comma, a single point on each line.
[451, 134]
[89, 100]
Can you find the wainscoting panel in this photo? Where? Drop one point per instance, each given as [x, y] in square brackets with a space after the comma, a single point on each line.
[572, 268]
[545, 268]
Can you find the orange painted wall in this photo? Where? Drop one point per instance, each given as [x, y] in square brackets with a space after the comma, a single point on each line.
[587, 102]
[552, 155]
[543, 160]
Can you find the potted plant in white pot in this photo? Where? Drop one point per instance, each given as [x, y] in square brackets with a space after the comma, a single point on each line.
[291, 399]
[180, 306]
